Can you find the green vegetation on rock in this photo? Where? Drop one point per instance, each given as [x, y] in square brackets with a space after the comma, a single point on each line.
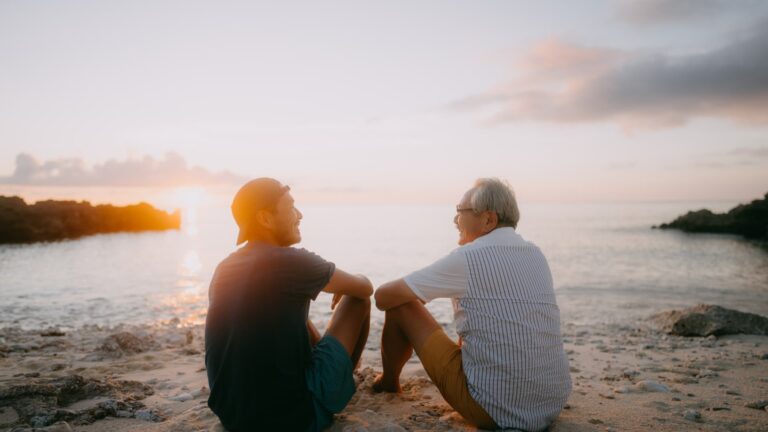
[748, 220]
[57, 220]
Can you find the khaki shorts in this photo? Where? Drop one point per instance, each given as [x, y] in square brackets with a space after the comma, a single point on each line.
[441, 358]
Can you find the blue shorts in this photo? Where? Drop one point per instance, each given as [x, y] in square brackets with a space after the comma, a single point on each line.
[329, 379]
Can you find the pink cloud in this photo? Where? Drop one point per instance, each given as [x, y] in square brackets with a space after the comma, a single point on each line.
[559, 81]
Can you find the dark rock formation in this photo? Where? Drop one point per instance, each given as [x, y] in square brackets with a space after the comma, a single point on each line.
[706, 320]
[748, 220]
[58, 220]
[41, 403]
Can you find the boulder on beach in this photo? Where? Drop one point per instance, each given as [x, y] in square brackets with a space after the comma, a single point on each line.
[706, 320]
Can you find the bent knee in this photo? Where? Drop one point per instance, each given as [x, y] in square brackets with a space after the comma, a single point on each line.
[363, 303]
[408, 309]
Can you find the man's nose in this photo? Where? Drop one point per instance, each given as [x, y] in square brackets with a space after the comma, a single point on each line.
[299, 214]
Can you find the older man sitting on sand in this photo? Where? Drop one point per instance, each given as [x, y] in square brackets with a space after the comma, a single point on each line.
[508, 369]
[268, 368]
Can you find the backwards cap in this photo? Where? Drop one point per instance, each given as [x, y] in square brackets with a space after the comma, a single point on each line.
[260, 194]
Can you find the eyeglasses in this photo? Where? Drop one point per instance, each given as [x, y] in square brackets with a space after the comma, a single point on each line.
[459, 209]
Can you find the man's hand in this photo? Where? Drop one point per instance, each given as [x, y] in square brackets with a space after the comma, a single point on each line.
[336, 300]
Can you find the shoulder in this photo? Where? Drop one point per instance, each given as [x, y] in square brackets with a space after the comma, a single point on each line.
[299, 255]
[505, 236]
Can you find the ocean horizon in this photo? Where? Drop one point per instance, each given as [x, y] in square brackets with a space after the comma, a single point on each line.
[608, 265]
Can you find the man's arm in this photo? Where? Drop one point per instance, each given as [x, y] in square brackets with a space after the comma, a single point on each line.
[343, 283]
[393, 294]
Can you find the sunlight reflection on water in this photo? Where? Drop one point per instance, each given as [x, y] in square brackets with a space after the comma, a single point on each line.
[606, 262]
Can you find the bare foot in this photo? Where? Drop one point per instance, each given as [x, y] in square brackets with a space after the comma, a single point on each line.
[380, 385]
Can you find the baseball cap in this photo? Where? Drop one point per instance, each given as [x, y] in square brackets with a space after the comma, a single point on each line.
[259, 194]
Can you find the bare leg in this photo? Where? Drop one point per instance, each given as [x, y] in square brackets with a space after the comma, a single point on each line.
[349, 325]
[405, 326]
[314, 335]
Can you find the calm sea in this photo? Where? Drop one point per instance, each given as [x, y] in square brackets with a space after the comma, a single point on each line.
[607, 262]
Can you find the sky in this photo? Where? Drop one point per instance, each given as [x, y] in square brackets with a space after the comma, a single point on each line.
[349, 101]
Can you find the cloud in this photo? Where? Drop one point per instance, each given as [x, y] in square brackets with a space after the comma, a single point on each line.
[170, 171]
[564, 82]
[648, 12]
[754, 152]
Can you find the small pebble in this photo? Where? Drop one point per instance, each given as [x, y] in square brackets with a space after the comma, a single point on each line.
[182, 397]
[651, 386]
[630, 373]
[692, 415]
[202, 391]
[759, 404]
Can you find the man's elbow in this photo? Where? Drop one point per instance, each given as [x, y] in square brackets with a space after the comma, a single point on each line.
[366, 287]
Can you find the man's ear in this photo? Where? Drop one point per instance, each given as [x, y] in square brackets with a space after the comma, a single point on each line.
[264, 218]
[491, 220]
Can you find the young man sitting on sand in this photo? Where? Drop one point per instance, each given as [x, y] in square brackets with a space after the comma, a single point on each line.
[268, 368]
[508, 369]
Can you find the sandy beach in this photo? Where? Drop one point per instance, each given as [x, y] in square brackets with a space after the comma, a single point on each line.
[152, 378]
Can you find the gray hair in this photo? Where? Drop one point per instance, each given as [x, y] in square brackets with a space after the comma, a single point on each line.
[497, 196]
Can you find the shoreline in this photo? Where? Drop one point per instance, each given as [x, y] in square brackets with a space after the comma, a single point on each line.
[626, 377]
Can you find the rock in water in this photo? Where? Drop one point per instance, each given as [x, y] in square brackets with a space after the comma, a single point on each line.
[706, 320]
[749, 220]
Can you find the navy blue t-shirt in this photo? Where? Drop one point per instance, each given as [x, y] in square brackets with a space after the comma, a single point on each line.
[256, 340]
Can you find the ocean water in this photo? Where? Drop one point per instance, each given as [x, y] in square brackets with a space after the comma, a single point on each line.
[608, 264]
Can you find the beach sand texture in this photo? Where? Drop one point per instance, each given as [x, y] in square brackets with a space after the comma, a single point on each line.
[152, 378]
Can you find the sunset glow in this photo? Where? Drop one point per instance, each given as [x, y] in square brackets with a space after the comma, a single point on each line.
[608, 103]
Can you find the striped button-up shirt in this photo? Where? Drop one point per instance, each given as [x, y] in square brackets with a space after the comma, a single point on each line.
[506, 314]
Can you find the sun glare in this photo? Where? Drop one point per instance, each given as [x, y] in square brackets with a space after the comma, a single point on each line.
[188, 200]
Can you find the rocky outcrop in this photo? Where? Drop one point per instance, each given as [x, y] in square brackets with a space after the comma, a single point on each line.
[748, 220]
[58, 220]
[42, 403]
[706, 320]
